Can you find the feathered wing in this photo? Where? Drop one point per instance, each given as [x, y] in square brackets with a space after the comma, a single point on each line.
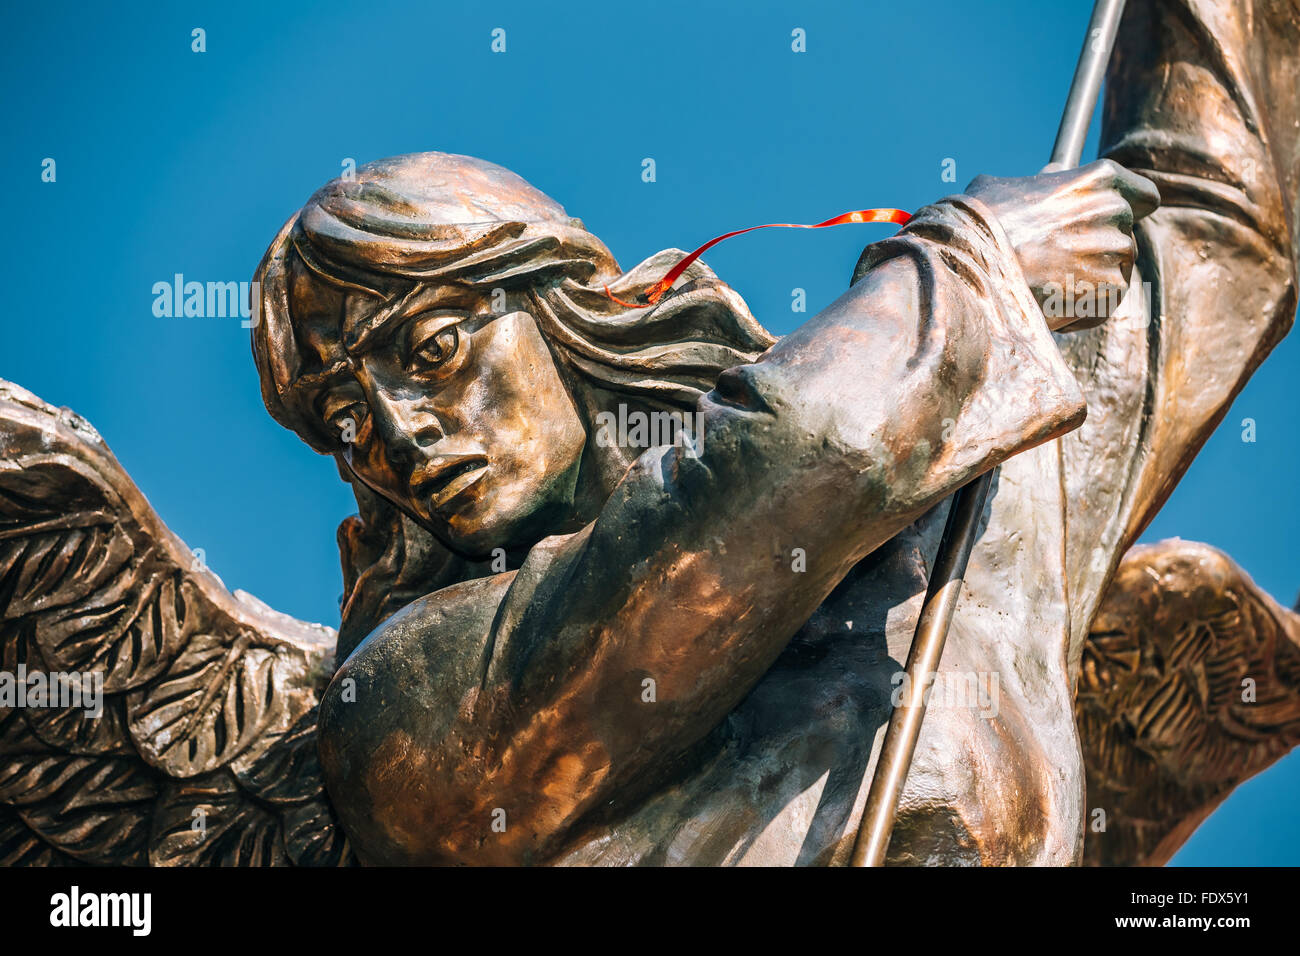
[1190, 684]
[205, 749]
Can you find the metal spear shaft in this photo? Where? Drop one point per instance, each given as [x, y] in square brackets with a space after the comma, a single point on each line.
[962, 529]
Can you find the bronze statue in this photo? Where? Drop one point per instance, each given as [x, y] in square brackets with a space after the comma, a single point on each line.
[632, 585]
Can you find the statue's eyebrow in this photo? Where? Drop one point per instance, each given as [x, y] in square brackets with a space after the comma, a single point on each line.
[313, 381]
[364, 335]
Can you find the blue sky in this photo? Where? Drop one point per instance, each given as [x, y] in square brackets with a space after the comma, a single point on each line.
[171, 161]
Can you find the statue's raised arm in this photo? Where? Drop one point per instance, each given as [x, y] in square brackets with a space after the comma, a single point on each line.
[441, 327]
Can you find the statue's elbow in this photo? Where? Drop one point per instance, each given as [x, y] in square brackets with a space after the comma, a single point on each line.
[767, 419]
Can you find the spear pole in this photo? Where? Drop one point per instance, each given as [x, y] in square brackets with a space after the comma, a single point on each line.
[962, 528]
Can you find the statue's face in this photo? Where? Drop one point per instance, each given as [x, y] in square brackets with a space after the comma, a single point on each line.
[459, 417]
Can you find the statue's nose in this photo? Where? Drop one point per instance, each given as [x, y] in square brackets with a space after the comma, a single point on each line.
[405, 429]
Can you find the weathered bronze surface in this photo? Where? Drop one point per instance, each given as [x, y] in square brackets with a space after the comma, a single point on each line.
[559, 646]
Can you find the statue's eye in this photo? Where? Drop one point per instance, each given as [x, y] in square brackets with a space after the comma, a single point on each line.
[356, 411]
[430, 351]
[344, 412]
[347, 420]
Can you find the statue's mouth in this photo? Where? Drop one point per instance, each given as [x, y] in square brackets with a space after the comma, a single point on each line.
[442, 482]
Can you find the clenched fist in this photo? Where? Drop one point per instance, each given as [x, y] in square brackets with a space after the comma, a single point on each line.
[1072, 230]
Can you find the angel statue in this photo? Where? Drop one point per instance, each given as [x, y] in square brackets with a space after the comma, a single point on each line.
[565, 642]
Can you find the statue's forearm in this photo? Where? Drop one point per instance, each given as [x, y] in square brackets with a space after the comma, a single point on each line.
[634, 638]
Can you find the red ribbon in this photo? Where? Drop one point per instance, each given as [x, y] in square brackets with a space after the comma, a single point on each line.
[656, 291]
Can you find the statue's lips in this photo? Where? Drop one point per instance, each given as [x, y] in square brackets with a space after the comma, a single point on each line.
[444, 481]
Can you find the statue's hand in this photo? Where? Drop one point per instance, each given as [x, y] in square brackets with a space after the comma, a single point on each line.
[1072, 230]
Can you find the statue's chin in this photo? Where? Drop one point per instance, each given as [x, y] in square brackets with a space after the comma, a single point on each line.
[480, 532]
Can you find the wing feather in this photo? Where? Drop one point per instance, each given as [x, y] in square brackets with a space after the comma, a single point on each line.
[203, 751]
[1190, 684]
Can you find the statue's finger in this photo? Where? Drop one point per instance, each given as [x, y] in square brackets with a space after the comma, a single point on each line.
[1139, 192]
